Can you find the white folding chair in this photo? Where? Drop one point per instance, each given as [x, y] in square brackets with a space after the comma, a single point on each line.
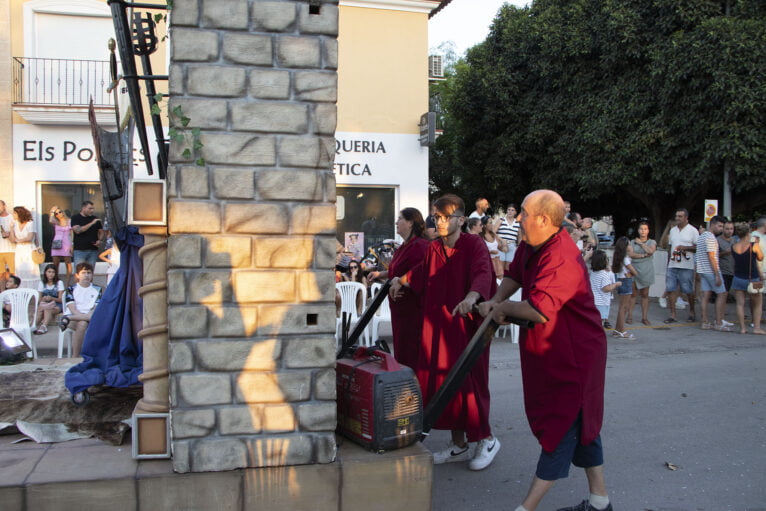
[19, 300]
[503, 330]
[65, 336]
[382, 315]
[348, 304]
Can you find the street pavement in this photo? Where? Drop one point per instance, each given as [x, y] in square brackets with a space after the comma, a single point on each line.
[679, 396]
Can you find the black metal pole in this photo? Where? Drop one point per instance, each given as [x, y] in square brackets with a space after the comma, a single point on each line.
[125, 46]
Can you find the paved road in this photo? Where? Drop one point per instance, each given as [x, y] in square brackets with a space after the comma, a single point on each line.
[694, 398]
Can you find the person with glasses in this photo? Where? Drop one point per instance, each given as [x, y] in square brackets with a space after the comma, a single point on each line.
[563, 356]
[455, 274]
[356, 274]
[61, 245]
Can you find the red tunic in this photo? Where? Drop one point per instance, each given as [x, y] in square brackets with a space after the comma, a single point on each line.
[407, 310]
[443, 280]
[563, 361]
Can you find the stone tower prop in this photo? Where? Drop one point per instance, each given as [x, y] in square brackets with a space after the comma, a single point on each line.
[251, 250]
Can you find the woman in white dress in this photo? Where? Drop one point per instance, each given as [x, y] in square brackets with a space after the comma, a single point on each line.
[23, 234]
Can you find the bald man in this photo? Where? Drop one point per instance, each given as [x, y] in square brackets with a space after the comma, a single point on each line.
[563, 357]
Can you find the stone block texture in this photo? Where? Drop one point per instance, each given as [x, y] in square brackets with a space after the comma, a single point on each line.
[251, 311]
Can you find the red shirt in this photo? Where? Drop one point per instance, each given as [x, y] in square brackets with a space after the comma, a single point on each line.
[563, 361]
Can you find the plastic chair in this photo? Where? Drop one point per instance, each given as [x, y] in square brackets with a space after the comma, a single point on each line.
[19, 299]
[348, 304]
[503, 330]
[382, 315]
[65, 336]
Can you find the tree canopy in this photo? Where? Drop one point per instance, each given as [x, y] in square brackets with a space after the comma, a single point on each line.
[619, 103]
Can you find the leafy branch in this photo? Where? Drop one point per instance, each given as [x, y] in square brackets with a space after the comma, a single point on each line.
[179, 131]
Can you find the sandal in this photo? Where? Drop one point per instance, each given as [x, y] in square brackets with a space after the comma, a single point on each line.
[670, 320]
[646, 322]
[623, 335]
[691, 319]
[41, 330]
[629, 321]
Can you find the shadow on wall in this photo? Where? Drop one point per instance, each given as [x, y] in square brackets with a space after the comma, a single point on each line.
[259, 389]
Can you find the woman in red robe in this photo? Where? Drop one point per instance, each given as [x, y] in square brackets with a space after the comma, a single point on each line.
[407, 310]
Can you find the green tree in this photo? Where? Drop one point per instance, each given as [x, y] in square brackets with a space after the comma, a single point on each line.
[636, 105]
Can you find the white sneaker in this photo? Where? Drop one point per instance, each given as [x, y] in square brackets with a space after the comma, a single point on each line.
[663, 302]
[485, 453]
[726, 323]
[681, 303]
[452, 453]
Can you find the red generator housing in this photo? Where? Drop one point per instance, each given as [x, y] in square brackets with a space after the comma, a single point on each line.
[379, 402]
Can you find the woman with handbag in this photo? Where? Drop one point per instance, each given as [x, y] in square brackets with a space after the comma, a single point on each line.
[24, 235]
[61, 246]
[747, 277]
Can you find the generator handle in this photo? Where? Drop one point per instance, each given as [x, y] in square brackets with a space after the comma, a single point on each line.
[388, 362]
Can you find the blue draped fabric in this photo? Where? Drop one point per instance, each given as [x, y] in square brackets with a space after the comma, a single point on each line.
[112, 352]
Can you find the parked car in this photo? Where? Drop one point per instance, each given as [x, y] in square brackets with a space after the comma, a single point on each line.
[605, 240]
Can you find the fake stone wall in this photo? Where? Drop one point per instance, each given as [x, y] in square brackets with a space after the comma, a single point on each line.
[252, 235]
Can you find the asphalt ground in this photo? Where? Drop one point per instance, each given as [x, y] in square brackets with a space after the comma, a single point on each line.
[676, 397]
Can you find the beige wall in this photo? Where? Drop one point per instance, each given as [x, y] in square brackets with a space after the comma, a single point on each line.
[382, 71]
[16, 37]
[6, 86]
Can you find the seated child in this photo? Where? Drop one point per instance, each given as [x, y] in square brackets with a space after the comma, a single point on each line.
[81, 300]
[51, 291]
[13, 282]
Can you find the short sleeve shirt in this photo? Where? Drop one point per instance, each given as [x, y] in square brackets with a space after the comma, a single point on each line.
[686, 237]
[706, 243]
[85, 240]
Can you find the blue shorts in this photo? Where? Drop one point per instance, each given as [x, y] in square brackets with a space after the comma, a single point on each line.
[603, 310]
[738, 284]
[85, 256]
[626, 286]
[555, 465]
[707, 283]
[682, 277]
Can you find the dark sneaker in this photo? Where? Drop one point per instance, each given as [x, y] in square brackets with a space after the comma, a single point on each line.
[585, 506]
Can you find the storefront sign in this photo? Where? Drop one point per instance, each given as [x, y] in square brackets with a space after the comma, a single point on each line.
[44, 153]
[384, 159]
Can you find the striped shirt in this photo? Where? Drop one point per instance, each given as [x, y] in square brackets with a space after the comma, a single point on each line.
[509, 232]
[706, 242]
[598, 281]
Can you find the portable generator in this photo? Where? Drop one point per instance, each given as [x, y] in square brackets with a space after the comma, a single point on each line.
[379, 402]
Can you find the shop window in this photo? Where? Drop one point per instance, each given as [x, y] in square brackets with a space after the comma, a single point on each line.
[69, 197]
[366, 216]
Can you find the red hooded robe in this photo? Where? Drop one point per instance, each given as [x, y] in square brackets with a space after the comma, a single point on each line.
[563, 361]
[407, 310]
[443, 280]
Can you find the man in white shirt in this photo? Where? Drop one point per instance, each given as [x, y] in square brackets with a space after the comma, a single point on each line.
[81, 300]
[482, 205]
[680, 275]
[759, 236]
[7, 247]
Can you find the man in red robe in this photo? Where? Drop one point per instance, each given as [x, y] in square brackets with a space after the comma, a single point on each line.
[563, 357]
[456, 273]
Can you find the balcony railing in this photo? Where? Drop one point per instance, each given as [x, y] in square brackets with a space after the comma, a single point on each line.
[40, 81]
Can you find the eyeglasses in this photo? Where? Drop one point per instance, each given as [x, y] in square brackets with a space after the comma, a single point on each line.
[440, 218]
